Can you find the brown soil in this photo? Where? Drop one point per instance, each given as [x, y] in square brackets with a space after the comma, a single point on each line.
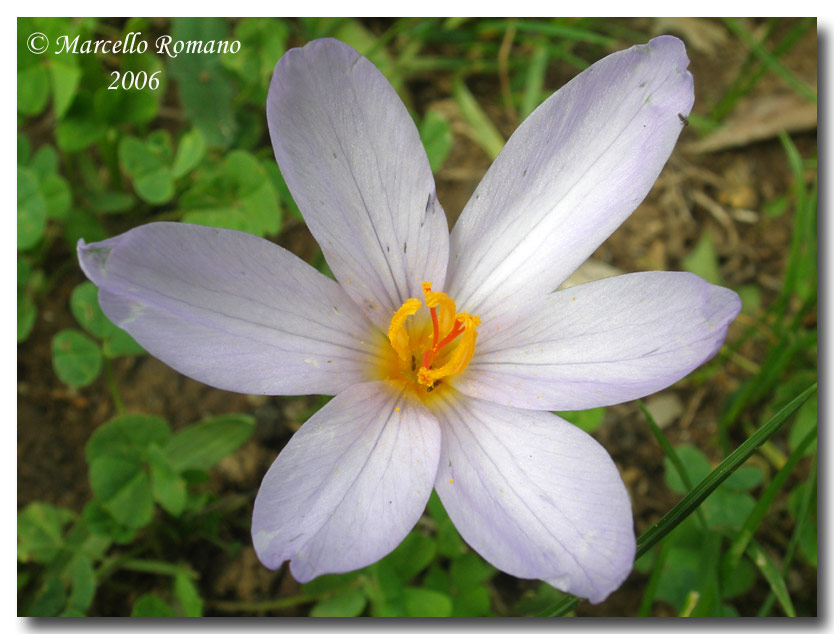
[54, 422]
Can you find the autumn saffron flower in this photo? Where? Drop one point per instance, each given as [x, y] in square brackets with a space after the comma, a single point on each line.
[445, 352]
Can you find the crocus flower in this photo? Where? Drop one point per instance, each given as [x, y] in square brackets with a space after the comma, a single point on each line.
[445, 353]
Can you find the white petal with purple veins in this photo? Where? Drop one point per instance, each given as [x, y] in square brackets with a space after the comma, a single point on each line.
[232, 310]
[570, 175]
[600, 343]
[352, 159]
[350, 484]
[536, 496]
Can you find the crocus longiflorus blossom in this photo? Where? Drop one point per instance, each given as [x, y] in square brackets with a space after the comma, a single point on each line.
[445, 352]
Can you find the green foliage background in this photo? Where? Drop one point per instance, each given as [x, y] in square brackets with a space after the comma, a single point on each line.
[93, 162]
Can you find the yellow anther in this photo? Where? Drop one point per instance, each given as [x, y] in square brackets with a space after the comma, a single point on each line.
[448, 309]
[424, 357]
[460, 357]
[397, 334]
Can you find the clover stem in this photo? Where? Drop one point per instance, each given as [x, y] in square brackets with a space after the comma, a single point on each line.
[114, 388]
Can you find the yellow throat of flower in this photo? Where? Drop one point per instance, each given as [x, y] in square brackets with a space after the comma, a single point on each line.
[426, 356]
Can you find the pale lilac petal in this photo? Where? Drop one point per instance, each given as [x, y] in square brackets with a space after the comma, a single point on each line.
[353, 160]
[350, 484]
[231, 310]
[536, 496]
[600, 343]
[571, 174]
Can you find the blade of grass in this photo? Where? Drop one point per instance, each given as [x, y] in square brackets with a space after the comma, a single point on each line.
[157, 567]
[748, 77]
[735, 91]
[770, 61]
[802, 515]
[803, 243]
[562, 606]
[401, 26]
[562, 52]
[771, 574]
[551, 29]
[504, 73]
[745, 535]
[795, 163]
[691, 601]
[281, 603]
[431, 63]
[483, 130]
[534, 79]
[803, 237]
[616, 29]
[451, 24]
[778, 358]
[761, 328]
[707, 583]
[696, 496]
[670, 453]
[769, 450]
[810, 494]
[654, 580]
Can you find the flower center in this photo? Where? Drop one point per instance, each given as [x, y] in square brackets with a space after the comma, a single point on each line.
[427, 357]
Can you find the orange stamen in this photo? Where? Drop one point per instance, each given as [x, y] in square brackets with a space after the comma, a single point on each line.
[435, 325]
[456, 330]
[444, 319]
